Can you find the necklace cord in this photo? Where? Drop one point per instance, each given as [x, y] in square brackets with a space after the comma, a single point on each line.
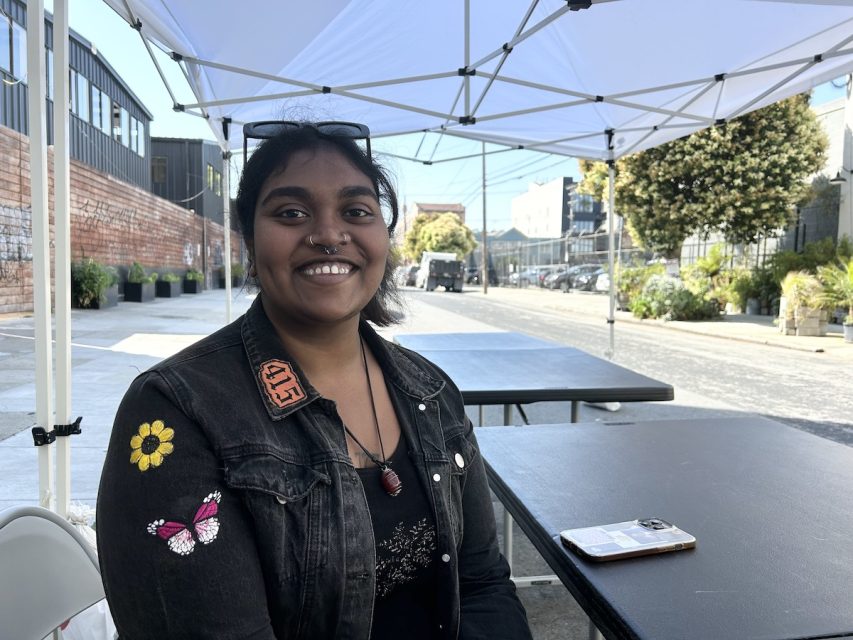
[382, 464]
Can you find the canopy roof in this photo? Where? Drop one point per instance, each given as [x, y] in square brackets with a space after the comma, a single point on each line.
[555, 76]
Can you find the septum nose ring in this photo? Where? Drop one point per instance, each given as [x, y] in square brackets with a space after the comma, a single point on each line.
[328, 249]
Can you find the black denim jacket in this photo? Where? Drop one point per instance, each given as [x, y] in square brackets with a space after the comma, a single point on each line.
[229, 507]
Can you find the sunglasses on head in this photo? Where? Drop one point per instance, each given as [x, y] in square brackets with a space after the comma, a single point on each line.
[266, 129]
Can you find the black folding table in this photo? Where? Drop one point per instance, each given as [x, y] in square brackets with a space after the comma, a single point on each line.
[769, 506]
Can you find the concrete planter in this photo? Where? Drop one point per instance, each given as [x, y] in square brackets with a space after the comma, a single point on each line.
[810, 322]
[164, 289]
[138, 291]
[193, 286]
[753, 306]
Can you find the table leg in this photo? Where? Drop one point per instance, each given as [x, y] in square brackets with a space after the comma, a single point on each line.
[594, 633]
[575, 410]
[482, 415]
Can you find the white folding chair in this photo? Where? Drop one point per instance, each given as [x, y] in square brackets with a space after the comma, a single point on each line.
[48, 573]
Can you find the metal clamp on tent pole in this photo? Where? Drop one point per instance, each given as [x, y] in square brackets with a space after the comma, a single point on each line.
[72, 429]
[42, 437]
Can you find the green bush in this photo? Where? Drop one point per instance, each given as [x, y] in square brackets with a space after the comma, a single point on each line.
[803, 290]
[89, 282]
[668, 298]
[170, 277]
[136, 274]
[631, 280]
[193, 274]
[237, 270]
[837, 281]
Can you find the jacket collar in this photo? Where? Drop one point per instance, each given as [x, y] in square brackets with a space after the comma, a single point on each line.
[284, 387]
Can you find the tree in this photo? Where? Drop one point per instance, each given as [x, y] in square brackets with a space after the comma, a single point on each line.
[444, 232]
[742, 178]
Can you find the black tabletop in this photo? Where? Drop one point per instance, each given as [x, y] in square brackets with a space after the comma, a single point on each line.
[476, 340]
[769, 505]
[512, 376]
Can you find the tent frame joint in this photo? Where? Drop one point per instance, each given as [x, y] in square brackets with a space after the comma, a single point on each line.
[466, 71]
[577, 5]
[466, 120]
[64, 430]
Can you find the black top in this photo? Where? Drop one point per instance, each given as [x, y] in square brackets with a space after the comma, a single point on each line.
[406, 554]
[769, 506]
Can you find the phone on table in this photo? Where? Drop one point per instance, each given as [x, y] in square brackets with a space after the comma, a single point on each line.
[627, 539]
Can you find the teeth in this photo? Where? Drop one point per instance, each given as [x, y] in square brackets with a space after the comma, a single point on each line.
[327, 269]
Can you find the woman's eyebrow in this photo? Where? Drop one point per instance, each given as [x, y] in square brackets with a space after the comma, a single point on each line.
[356, 191]
[285, 192]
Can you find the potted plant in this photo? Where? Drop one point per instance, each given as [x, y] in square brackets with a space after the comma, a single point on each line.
[237, 273]
[801, 310]
[838, 291]
[139, 286]
[168, 286]
[193, 281]
[93, 286]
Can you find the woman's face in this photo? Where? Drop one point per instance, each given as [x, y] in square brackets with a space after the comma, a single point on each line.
[322, 196]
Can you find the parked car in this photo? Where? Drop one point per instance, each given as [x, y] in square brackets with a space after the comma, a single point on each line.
[412, 275]
[602, 283]
[565, 280]
[586, 281]
[473, 276]
[526, 277]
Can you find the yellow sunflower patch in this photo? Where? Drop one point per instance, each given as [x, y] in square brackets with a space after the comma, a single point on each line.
[151, 444]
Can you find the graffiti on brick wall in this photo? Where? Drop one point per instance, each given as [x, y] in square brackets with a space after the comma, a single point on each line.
[16, 242]
[99, 213]
[189, 253]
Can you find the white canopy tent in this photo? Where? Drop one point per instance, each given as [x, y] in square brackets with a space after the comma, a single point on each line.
[595, 79]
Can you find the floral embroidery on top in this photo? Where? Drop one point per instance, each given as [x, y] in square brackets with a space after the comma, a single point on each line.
[180, 537]
[151, 445]
[400, 557]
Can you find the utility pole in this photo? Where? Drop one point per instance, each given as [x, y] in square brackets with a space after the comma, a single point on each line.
[485, 266]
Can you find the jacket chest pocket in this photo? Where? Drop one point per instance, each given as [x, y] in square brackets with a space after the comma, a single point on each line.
[461, 454]
[289, 504]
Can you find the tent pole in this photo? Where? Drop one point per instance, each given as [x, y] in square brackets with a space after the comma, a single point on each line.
[36, 108]
[611, 212]
[484, 268]
[62, 229]
[226, 216]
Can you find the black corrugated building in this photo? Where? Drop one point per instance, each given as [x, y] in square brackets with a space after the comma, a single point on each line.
[109, 126]
[188, 172]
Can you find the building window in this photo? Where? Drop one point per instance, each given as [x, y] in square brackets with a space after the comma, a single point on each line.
[140, 138]
[72, 90]
[97, 114]
[5, 44]
[210, 177]
[217, 183]
[19, 51]
[158, 169]
[106, 113]
[83, 97]
[125, 127]
[133, 123]
[49, 72]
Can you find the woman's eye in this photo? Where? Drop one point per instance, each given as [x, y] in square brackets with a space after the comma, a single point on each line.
[358, 212]
[291, 214]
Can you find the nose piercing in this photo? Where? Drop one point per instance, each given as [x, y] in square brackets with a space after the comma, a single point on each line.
[328, 249]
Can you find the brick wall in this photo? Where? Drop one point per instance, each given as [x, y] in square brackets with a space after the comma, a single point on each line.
[111, 221]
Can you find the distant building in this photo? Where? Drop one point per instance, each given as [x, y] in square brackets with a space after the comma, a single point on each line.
[554, 209]
[189, 174]
[109, 127]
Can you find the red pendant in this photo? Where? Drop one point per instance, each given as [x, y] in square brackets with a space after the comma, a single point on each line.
[391, 482]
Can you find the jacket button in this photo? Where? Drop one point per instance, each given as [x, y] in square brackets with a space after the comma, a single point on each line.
[445, 558]
[437, 477]
[281, 500]
[460, 461]
[422, 406]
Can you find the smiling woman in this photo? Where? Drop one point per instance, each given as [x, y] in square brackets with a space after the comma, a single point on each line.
[317, 479]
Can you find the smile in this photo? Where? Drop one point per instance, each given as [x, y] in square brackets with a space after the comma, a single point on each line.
[327, 268]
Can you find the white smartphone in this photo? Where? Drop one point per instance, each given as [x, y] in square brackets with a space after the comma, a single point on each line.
[627, 539]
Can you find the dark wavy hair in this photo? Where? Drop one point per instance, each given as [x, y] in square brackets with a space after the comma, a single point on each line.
[274, 154]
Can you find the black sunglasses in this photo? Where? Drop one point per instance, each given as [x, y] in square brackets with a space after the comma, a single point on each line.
[265, 129]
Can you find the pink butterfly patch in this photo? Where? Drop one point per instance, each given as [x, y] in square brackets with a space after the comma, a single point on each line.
[180, 537]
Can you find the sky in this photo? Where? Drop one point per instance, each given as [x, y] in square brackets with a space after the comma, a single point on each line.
[507, 174]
